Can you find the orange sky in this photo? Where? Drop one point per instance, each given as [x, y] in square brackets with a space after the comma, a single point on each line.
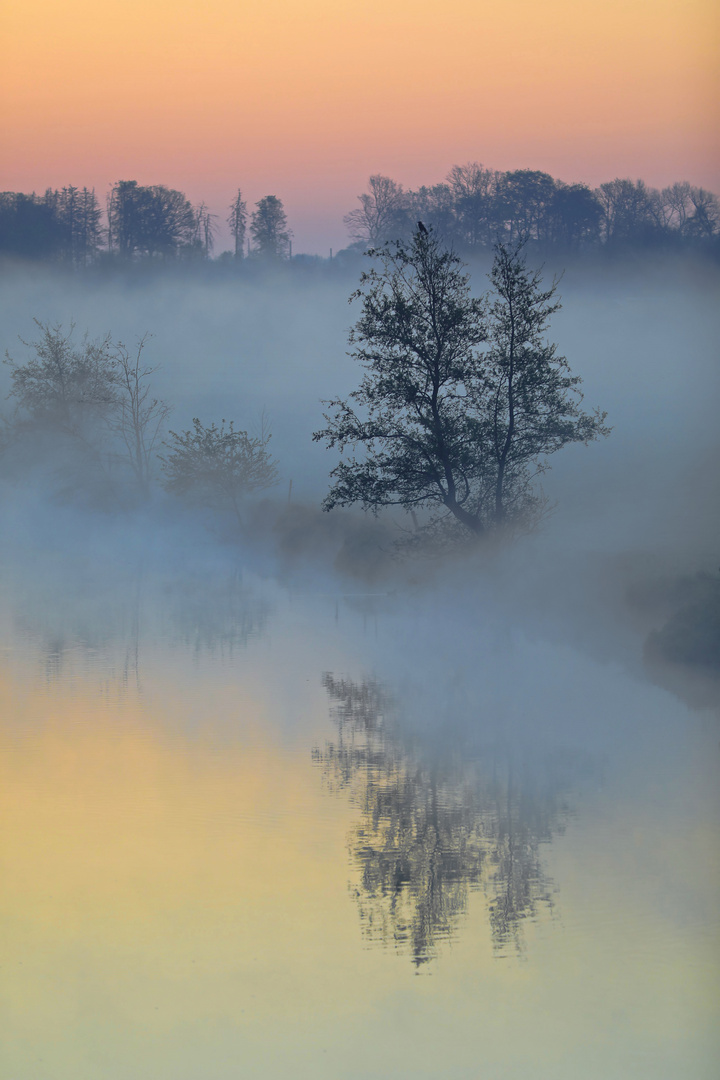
[305, 98]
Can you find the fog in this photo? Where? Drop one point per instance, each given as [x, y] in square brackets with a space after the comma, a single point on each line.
[630, 513]
[278, 768]
[642, 338]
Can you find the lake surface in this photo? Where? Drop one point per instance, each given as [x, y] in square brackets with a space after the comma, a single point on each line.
[260, 829]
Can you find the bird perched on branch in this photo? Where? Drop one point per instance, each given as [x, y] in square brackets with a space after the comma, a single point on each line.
[422, 229]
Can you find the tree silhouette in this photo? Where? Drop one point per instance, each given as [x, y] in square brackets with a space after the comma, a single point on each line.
[87, 408]
[382, 214]
[237, 220]
[268, 228]
[218, 467]
[149, 221]
[461, 400]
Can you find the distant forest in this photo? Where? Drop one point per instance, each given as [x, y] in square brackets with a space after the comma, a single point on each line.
[471, 210]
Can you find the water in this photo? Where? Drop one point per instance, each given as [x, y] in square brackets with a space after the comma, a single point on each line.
[261, 828]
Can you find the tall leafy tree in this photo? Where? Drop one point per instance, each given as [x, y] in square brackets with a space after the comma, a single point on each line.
[269, 229]
[574, 217]
[418, 340]
[628, 213]
[525, 196]
[87, 407]
[528, 404]
[78, 216]
[149, 221]
[474, 190]
[461, 400]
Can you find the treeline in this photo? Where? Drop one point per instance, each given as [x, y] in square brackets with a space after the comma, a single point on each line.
[477, 207]
[139, 223]
[472, 209]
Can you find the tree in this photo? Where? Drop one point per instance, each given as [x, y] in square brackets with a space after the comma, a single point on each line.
[474, 189]
[627, 211]
[269, 230]
[203, 238]
[382, 214]
[88, 408]
[218, 467]
[149, 220]
[529, 406]
[524, 198]
[237, 221]
[29, 227]
[461, 399]
[64, 387]
[575, 216]
[78, 215]
[138, 417]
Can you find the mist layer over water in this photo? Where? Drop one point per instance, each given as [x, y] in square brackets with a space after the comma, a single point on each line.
[290, 805]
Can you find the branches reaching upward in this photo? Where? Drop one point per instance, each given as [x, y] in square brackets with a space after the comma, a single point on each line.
[461, 399]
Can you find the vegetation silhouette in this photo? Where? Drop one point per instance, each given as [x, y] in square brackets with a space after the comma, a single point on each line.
[462, 400]
[431, 829]
[272, 238]
[86, 411]
[218, 467]
[472, 209]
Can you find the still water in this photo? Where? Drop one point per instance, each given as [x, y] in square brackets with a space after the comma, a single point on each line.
[264, 830]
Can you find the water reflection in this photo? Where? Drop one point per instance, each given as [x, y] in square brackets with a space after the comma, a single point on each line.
[90, 618]
[216, 616]
[433, 827]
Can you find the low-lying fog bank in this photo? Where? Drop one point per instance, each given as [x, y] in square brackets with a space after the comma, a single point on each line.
[627, 561]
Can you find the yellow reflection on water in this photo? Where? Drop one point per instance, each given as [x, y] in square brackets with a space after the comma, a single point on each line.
[175, 906]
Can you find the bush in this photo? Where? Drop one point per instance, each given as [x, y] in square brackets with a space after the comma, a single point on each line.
[218, 467]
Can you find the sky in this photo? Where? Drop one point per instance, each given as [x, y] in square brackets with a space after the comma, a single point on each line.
[304, 99]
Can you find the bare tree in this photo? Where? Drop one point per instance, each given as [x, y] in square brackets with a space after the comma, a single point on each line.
[382, 214]
[139, 418]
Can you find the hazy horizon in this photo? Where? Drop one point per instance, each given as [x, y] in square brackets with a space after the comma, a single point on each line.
[306, 101]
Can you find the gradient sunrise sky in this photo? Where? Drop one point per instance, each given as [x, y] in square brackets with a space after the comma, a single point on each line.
[305, 99]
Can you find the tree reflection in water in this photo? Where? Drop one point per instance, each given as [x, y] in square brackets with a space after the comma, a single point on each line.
[87, 615]
[432, 828]
[215, 615]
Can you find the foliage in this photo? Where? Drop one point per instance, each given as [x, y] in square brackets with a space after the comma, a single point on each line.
[417, 339]
[217, 466]
[692, 633]
[269, 229]
[87, 406]
[64, 385]
[382, 214]
[529, 404]
[461, 399]
[149, 221]
[472, 209]
[237, 220]
[61, 225]
[477, 207]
